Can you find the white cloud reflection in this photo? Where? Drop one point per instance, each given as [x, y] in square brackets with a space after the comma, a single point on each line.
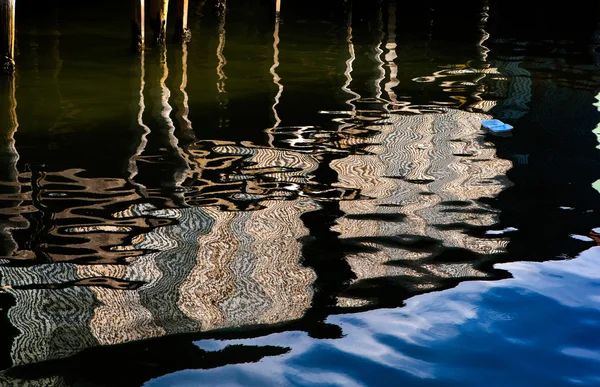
[443, 324]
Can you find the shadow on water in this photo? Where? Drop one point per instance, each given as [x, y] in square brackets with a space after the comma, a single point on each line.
[270, 174]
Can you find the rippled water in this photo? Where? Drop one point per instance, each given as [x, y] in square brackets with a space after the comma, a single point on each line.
[309, 201]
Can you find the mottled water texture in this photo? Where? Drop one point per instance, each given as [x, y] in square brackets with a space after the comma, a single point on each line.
[308, 200]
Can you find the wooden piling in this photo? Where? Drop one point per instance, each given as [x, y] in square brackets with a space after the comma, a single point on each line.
[182, 32]
[277, 8]
[7, 34]
[158, 19]
[138, 30]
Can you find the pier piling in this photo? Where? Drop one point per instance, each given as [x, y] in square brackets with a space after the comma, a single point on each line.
[158, 19]
[138, 30]
[7, 35]
[182, 32]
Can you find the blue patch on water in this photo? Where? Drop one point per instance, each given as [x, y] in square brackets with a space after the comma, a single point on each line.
[540, 328]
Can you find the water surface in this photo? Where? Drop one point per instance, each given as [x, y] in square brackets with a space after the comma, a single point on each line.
[304, 201]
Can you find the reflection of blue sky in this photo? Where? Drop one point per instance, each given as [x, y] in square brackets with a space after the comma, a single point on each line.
[539, 328]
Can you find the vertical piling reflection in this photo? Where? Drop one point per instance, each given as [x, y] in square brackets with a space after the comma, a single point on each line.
[482, 62]
[379, 52]
[391, 54]
[162, 149]
[276, 79]
[140, 107]
[165, 113]
[222, 61]
[368, 72]
[481, 48]
[11, 195]
[350, 61]
[186, 131]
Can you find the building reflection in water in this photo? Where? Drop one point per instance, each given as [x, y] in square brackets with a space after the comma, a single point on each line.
[211, 234]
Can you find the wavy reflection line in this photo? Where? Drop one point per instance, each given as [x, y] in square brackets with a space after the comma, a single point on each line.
[185, 124]
[220, 49]
[391, 55]
[483, 50]
[165, 112]
[483, 54]
[184, 109]
[82, 230]
[141, 104]
[13, 120]
[8, 89]
[276, 80]
[350, 62]
[378, 54]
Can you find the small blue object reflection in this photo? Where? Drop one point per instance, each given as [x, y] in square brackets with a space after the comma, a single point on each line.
[496, 126]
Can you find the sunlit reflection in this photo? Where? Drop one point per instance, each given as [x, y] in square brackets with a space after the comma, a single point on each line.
[379, 52]
[349, 62]
[11, 198]
[483, 50]
[276, 79]
[222, 97]
[452, 79]
[165, 112]
[410, 173]
[185, 125]
[9, 107]
[232, 250]
[141, 107]
[391, 55]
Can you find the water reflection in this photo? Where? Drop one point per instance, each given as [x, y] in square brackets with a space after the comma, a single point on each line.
[222, 96]
[391, 54]
[276, 78]
[381, 197]
[349, 63]
[12, 195]
[210, 234]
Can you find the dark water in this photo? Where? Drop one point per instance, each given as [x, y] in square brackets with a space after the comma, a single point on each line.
[304, 202]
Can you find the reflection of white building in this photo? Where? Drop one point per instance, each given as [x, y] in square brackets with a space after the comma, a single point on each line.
[431, 168]
[203, 268]
[208, 268]
[211, 269]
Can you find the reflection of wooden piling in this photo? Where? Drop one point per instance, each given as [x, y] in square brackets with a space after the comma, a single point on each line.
[182, 31]
[7, 34]
[8, 128]
[138, 31]
[158, 19]
[12, 195]
[186, 133]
